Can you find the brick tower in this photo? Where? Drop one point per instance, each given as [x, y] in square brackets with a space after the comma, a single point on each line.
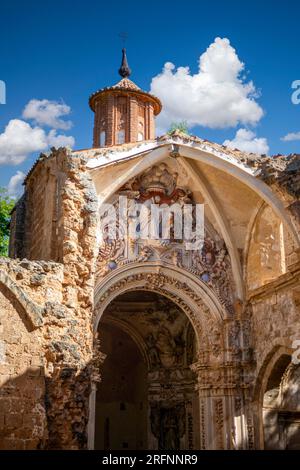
[123, 112]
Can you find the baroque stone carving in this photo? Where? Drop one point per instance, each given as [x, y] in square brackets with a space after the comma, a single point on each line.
[219, 422]
[158, 282]
[202, 426]
[161, 329]
[166, 350]
[168, 425]
[158, 185]
[234, 338]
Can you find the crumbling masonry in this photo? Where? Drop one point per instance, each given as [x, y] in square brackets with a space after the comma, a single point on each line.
[213, 335]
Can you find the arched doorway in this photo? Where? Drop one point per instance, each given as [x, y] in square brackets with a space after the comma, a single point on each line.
[281, 406]
[147, 397]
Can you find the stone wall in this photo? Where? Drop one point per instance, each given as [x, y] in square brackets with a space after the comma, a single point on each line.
[266, 256]
[28, 290]
[72, 356]
[22, 384]
[274, 310]
[17, 229]
[47, 355]
[276, 320]
[46, 318]
[36, 230]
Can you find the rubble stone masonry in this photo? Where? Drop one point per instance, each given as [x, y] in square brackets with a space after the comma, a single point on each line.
[48, 353]
[46, 335]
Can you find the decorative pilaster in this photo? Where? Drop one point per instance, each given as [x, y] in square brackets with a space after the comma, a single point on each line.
[222, 418]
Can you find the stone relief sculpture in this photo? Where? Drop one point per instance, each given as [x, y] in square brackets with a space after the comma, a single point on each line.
[190, 345]
[211, 263]
[165, 349]
[153, 352]
[168, 425]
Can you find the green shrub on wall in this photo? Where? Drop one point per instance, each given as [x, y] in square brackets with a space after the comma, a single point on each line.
[6, 205]
[179, 126]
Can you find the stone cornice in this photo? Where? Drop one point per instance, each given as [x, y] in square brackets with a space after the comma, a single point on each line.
[285, 281]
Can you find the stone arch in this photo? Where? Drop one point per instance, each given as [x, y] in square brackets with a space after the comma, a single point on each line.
[272, 357]
[192, 296]
[117, 246]
[162, 366]
[246, 175]
[137, 338]
[248, 237]
[215, 159]
[189, 155]
[196, 300]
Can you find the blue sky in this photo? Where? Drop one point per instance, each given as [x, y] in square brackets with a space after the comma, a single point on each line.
[63, 51]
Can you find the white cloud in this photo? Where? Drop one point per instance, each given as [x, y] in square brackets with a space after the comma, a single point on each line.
[247, 141]
[60, 140]
[48, 113]
[19, 139]
[217, 96]
[14, 187]
[291, 136]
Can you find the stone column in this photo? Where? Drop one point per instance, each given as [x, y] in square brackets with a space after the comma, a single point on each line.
[172, 389]
[221, 407]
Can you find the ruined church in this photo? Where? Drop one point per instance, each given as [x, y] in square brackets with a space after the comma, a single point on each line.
[130, 343]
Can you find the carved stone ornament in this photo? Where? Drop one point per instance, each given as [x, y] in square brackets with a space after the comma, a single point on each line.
[211, 263]
[204, 322]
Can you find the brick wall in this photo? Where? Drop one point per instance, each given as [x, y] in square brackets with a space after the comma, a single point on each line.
[108, 114]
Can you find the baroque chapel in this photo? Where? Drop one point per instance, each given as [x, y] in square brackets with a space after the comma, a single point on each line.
[141, 343]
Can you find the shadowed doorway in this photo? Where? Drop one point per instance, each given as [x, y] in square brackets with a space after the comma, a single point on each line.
[281, 406]
[146, 398]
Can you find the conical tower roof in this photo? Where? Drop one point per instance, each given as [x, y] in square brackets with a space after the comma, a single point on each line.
[127, 86]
